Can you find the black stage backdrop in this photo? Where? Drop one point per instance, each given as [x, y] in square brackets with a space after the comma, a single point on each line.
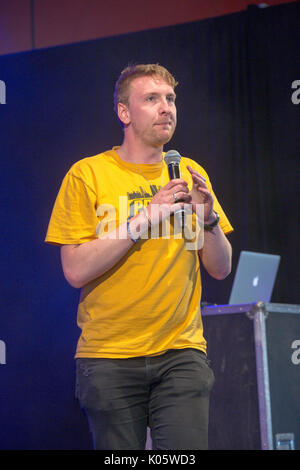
[238, 117]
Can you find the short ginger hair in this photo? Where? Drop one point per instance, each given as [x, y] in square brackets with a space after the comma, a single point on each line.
[122, 87]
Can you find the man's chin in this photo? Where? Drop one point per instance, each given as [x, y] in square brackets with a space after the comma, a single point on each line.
[160, 143]
[164, 138]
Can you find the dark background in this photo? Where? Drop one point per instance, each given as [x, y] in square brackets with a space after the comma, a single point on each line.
[235, 117]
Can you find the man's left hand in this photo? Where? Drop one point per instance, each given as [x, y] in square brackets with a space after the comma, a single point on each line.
[201, 195]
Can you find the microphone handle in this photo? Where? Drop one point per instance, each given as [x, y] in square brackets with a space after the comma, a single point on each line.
[174, 170]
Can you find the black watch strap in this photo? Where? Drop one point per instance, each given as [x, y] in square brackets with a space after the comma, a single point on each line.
[209, 227]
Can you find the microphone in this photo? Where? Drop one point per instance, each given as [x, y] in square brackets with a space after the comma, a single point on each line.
[172, 159]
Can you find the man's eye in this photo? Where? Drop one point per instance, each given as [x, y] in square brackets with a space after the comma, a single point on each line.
[171, 99]
[150, 98]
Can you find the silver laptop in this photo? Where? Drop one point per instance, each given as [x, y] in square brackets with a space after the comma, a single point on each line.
[254, 278]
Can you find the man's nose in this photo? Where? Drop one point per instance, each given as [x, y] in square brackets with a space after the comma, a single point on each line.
[164, 106]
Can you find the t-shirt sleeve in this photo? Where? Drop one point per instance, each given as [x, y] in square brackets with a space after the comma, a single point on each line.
[224, 222]
[73, 219]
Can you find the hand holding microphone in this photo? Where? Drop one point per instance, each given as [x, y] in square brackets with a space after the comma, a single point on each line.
[200, 193]
[171, 198]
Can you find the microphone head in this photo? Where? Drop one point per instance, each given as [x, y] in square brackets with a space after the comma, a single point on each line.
[172, 156]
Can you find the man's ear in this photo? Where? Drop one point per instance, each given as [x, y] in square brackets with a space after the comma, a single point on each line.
[123, 113]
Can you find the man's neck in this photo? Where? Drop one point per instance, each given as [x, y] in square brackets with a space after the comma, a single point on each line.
[139, 154]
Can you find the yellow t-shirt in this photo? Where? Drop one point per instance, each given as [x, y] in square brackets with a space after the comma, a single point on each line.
[149, 301]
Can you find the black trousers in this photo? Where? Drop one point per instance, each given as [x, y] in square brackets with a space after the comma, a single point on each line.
[169, 393]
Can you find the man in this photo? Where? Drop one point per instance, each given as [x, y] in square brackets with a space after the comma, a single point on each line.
[141, 357]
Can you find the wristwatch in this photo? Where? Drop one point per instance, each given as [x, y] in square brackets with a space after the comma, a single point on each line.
[209, 227]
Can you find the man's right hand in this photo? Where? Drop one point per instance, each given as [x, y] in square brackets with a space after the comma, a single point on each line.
[171, 196]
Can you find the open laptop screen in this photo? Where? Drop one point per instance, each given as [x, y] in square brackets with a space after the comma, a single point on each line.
[254, 278]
